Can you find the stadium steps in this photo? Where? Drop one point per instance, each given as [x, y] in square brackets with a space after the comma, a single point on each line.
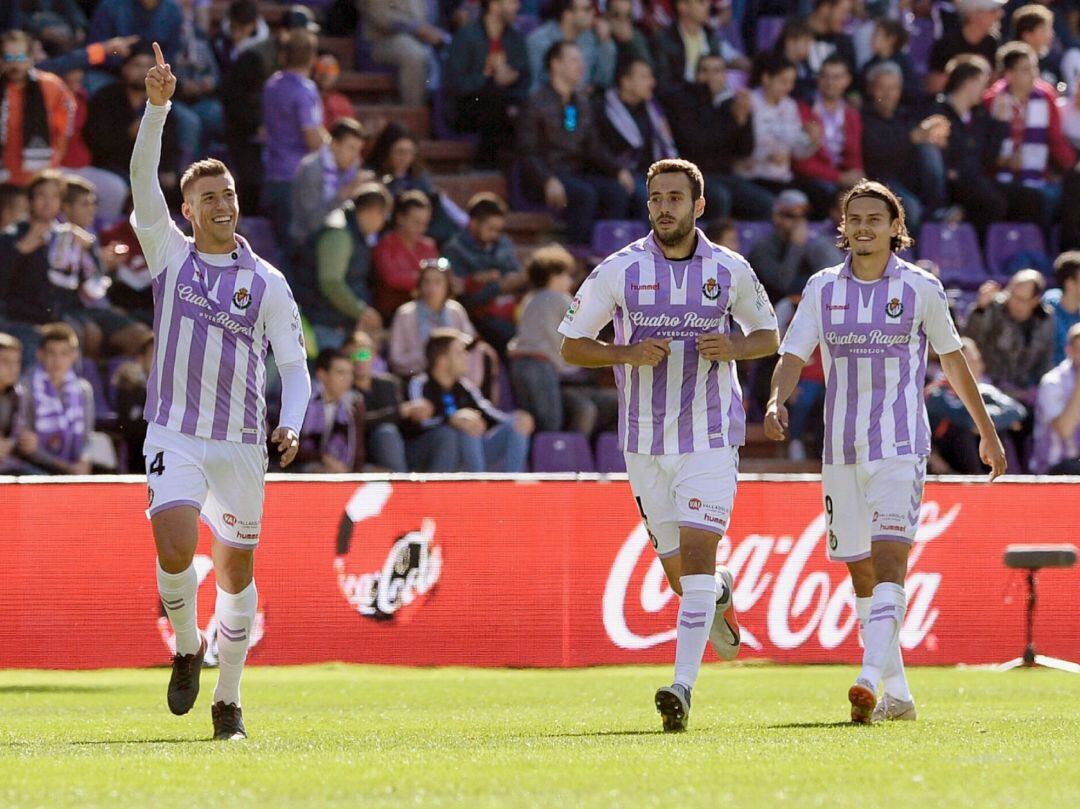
[416, 119]
[344, 48]
[366, 88]
[461, 187]
[447, 156]
[529, 227]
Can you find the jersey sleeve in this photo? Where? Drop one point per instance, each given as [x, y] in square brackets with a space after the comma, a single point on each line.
[938, 323]
[282, 319]
[594, 305]
[804, 333]
[750, 306]
[158, 235]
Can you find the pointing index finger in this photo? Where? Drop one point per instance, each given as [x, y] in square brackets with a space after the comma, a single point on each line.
[159, 58]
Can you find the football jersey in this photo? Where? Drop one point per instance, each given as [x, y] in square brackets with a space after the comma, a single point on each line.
[686, 403]
[873, 338]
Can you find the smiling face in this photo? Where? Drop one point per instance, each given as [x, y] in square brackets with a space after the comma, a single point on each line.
[868, 226]
[211, 206]
[672, 209]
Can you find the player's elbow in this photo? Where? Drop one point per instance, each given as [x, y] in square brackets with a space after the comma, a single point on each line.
[566, 350]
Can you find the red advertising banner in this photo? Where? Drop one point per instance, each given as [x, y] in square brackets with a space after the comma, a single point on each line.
[519, 573]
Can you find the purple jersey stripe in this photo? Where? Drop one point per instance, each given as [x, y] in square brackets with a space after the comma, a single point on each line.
[168, 368]
[227, 364]
[200, 334]
[922, 424]
[620, 377]
[686, 405]
[659, 405]
[736, 426]
[900, 409]
[853, 293]
[633, 433]
[830, 381]
[712, 406]
[157, 285]
[254, 401]
[877, 405]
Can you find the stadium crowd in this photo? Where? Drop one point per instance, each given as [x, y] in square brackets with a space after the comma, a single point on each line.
[432, 334]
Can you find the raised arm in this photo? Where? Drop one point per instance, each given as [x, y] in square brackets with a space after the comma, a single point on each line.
[149, 202]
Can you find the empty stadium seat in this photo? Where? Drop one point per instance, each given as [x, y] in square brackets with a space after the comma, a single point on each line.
[561, 452]
[1005, 239]
[609, 235]
[752, 232]
[609, 458]
[955, 249]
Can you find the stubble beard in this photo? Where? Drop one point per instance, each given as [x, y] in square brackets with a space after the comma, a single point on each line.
[682, 230]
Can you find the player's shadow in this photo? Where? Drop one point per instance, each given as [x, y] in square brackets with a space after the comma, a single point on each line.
[814, 725]
[96, 742]
[56, 689]
[585, 734]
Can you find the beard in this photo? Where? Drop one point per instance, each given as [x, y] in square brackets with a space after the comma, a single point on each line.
[683, 228]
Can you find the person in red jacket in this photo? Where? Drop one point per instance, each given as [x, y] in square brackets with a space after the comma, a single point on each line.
[397, 256]
[838, 162]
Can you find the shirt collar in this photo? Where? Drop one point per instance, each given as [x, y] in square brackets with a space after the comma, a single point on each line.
[245, 258]
[703, 249]
[892, 267]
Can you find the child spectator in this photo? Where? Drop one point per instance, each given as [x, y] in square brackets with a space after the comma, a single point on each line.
[332, 438]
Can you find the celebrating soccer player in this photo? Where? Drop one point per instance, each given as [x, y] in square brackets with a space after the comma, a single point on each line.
[872, 317]
[216, 306]
[681, 418]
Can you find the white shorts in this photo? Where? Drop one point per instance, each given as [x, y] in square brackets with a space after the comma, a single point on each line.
[695, 490]
[223, 479]
[871, 501]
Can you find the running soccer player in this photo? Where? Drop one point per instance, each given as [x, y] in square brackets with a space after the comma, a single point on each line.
[872, 318]
[681, 418]
[216, 306]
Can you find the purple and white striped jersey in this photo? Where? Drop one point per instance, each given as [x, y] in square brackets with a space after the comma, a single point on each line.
[214, 315]
[873, 338]
[686, 403]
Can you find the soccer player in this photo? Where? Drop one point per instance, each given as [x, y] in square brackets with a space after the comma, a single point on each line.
[681, 418]
[872, 318]
[216, 306]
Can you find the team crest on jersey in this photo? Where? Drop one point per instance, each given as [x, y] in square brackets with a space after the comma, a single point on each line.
[710, 289]
[894, 308]
[241, 298]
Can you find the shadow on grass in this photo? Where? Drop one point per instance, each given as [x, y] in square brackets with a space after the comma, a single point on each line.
[813, 725]
[57, 689]
[588, 733]
[96, 742]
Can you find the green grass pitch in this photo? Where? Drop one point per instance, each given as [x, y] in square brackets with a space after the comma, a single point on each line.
[363, 736]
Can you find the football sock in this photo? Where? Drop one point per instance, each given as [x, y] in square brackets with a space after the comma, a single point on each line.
[696, 612]
[179, 595]
[862, 609]
[882, 629]
[893, 674]
[235, 616]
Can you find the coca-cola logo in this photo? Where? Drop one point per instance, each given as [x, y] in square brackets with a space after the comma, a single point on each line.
[406, 574]
[783, 610]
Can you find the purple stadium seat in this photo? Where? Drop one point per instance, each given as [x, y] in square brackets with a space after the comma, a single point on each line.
[955, 249]
[515, 188]
[260, 234]
[525, 23]
[751, 233]
[768, 31]
[1005, 239]
[920, 43]
[609, 235]
[561, 452]
[104, 415]
[609, 458]
[822, 227]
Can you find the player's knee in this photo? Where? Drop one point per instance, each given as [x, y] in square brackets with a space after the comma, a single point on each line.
[174, 558]
[234, 569]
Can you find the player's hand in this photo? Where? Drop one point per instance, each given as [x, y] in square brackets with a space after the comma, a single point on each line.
[469, 421]
[992, 454]
[987, 292]
[160, 81]
[288, 444]
[776, 422]
[649, 352]
[716, 347]
[120, 46]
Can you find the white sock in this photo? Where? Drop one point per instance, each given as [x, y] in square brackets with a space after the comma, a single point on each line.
[696, 612]
[862, 609]
[179, 595]
[894, 676]
[882, 629]
[235, 615]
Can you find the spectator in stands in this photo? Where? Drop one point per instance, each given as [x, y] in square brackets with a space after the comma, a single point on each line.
[724, 232]
[679, 47]
[58, 24]
[485, 439]
[334, 292]
[384, 411]
[787, 257]
[1014, 331]
[955, 437]
[398, 256]
[326, 179]
[14, 404]
[131, 289]
[158, 21]
[332, 438]
[1033, 24]
[198, 76]
[1057, 414]
[629, 41]
[902, 148]
[889, 44]
[1064, 301]
[61, 412]
[974, 142]
[633, 127]
[1027, 105]
[978, 33]
[483, 257]
[837, 163]
[829, 21]
[113, 118]
[572, 21]
[563, 162]
[432, 309]
[129, 382]
[794, 44]
[487, 78]
[14, 205]
[38, 112]
[779, 131]
[402, 36]
[395, 159]
[293, 115]
[336, 104]
[556, 394]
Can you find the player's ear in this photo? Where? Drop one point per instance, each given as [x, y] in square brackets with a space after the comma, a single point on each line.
[185, 209]
[699, 207]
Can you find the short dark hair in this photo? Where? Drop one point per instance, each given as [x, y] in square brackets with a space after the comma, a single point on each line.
[346, 127]
[962, 69]
[556, 52]
[372, 194]
[207, 167]
[439, 343]
[407, 200]
[715, 230]
[45, 176]
[1012, 53]
[1029, 18]
[547, 262]
[876, 190]
[835, 58]
[59, 333]
[894, 30]
[769, 63]
[677, 165]
[626, 64]
[76, 187]
[1067, 266]
[326, 358]
[243, 12]
[484, 204]
[793, 28]
[9, 192]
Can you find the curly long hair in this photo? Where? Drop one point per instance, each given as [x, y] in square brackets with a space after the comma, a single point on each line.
[875, 190]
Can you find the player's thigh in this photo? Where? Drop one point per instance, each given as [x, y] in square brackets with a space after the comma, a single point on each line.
[176, 490]
[847, 520]
[234, 505]
[651, 481]
[704, 489]
[894, 490]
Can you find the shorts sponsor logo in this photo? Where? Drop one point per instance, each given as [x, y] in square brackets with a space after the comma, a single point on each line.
[710, 289]
[230, 519]
[695, 504]
[894, 308]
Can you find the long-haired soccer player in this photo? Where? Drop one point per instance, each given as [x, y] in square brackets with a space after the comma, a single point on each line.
[681, 418]
[216, 307]
[872, 317]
